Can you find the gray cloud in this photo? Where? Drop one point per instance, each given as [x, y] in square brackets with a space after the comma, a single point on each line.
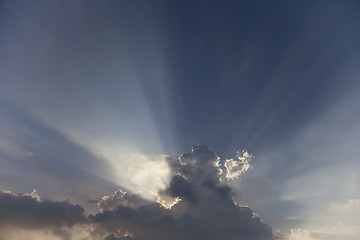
[121, 198]
[180, 187]
[113, 237]
[202, 207]
[28, 211]
[206, 210]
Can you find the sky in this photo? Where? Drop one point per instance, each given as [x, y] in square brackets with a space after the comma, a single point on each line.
[123, 120]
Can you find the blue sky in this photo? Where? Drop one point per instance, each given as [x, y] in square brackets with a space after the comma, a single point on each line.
[101, 96]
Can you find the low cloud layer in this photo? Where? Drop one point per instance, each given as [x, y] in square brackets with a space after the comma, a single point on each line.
[28, 211]
[195, 205]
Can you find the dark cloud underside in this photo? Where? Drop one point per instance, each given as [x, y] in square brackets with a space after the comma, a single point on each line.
[28, 212]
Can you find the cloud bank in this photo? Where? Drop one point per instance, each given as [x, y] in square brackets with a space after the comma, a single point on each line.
[204, 206]
[196, 204]
[28, 211]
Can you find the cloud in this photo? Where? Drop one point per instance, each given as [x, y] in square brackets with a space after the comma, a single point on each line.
[194, 204]
[206, 210]
[76, 232]
[28, 211]
[335, 232]
[339, 221]
[235, 167]
[113, 237]
[354, 202]
[351, 204]
[121, 198]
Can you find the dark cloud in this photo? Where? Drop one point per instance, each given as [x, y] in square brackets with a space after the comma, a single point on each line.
[113, 237]
[146, 222]
[206, 210]
[180, 187]
[196, 204]
[28, 211]
[121, 198]
[63, 234]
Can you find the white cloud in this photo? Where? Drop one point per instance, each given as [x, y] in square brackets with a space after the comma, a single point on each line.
[236, 167]
[336, 232]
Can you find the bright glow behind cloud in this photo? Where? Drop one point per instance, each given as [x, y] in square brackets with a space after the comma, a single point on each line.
[137, 172]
